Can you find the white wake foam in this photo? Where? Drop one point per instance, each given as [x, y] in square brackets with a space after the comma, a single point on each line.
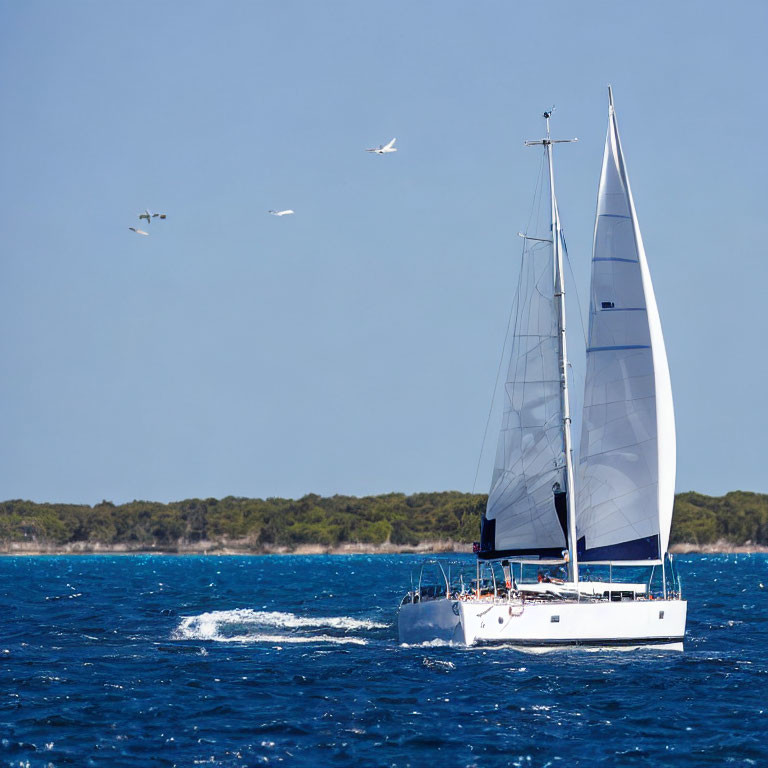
[286, 639]
[436, 643]
[245, 625]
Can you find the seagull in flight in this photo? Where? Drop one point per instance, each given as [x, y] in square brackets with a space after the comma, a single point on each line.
[138, 231]
[384, 149]
[149, 216]
[286, 212]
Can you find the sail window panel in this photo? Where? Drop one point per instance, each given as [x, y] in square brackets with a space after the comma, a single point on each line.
[625, 329]
[619, 375]
[615, 238]
[613, 198]
[619, 282]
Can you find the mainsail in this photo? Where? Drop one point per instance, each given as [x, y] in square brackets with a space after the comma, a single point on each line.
[626, 477]
[521, 516]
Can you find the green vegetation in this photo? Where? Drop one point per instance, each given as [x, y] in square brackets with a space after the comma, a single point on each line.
[254, 524]
[737, 518]
[259, 525]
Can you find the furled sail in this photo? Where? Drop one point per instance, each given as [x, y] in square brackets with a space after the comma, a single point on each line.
[626, 473]
[526, 504]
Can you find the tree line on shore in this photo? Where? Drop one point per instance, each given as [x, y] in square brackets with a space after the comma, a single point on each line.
[737, 518]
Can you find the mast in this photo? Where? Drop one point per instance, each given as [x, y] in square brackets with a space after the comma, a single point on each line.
[557, 250]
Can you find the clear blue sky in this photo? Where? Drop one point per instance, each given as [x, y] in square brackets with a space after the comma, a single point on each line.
[351, 348]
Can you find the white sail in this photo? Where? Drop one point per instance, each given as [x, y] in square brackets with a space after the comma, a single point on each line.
[626, 475]
[521, 515]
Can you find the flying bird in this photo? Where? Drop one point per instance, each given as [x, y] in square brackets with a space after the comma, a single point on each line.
[384, 148]
[286, 212]
[149, 216]
[138, 231]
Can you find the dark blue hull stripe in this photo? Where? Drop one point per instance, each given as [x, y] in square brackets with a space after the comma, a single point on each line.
[610, 642]
[620, 346]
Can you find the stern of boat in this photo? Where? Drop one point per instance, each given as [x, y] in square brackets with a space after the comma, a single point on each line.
[430, 621]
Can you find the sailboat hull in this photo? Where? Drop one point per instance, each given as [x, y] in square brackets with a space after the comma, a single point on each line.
[551, 623]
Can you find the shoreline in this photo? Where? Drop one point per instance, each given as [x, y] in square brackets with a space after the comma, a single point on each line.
[220, 548]
[234, 548]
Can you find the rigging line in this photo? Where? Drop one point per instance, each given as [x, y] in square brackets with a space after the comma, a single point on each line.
[498, 374]
[536, 194]
[576, 291]
[579, 378]
[515, 306]
[513, 310]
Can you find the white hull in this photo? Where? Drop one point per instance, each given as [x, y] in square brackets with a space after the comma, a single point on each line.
[552, 623]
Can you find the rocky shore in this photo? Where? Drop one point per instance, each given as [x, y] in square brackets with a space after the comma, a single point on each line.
[246, 547]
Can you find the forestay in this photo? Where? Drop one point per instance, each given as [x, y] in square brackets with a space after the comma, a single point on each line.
[627, 457]
[521, 517]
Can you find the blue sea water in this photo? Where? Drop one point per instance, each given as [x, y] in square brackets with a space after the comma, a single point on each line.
[290, 660]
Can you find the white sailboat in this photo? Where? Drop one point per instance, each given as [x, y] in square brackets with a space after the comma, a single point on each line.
[574, 555]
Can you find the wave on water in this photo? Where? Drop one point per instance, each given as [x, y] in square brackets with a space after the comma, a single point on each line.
[436, 643]
[438, 664]
[244, 625]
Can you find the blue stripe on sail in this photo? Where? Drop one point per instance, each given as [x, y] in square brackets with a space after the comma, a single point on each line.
[619, 346]
[624, 309]
[646, 548]
[546, 553]
[614, 216]
[615, 258]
